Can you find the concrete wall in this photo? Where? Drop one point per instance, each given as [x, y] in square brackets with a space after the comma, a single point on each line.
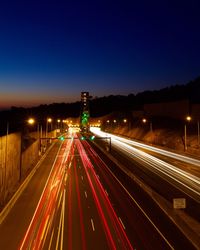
[10, 153]
[29, 158]
[9, 164]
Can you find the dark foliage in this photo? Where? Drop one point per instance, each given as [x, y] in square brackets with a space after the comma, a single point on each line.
[16, 116]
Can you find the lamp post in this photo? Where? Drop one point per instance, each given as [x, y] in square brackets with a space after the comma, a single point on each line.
[49, 120]
[58, 122]
[32, 121]
[188, 119]
[144, 120]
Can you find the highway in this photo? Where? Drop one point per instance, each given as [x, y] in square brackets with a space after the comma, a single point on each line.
[79, 199]
[180, 179]
[71, 210]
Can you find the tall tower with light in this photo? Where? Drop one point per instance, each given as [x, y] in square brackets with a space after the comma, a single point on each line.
[85, 113]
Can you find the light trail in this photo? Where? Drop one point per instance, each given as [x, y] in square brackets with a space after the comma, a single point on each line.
[189, 181]
[173, 155]
[70, 214]
[116, 224]
[80, 208]
[47, 204]
[103, 168]
[167, 153]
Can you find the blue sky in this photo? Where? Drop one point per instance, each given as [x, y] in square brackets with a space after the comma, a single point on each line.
[50, 51]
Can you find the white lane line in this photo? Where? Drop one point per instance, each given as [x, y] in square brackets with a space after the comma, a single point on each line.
[92, 222]
[81, 177]
[122, 223]
[85, 194]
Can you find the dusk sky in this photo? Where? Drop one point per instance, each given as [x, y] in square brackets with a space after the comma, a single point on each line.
[50, 51]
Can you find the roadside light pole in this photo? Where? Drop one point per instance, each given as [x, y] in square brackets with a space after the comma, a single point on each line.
[144, 120]
[58, 124]
[188, 119]
[31, 121]
[49, 120]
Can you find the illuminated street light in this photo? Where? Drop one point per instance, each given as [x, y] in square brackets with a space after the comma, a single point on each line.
[144, 120]
[114, 121]
[125, 120]
[49, 120]
[31, 121]
[58, 124]
[188, 119]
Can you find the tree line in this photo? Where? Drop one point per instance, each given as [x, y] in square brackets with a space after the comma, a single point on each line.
[100, 106]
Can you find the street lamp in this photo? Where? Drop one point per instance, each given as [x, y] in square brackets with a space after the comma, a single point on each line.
[58, 125]
[188, 119]
[49, 120]
[144, 120]
[31, 121]
[125, 120]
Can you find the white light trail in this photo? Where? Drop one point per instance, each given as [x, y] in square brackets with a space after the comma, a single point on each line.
[176, 156]
[184, 178]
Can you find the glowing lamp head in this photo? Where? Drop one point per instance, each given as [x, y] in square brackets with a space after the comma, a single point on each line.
[31, 121]
[144, 120]
[188, 118]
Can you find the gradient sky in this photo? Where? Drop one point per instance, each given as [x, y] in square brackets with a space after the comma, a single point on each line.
[50, 51]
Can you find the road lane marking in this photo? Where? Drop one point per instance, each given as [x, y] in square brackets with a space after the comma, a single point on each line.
[85, 194]
[92, 222]
[106, 192]
[141, 209]
[122, 223]
[81, 177]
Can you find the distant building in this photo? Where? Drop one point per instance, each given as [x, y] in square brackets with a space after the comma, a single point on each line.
[85, 101]
[85, 113]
